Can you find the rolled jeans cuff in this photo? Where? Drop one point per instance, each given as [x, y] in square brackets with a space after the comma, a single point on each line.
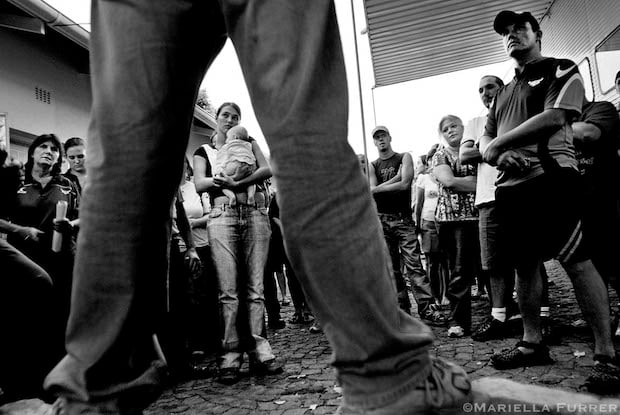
[389, 388]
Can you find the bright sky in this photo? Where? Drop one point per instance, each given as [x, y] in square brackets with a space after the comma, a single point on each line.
[410, 110]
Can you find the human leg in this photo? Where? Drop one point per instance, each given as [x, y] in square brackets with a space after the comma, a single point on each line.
[25, 292]
[530, 351]
[300, 304]
[430, 247]
[454, 239]
[272, 305]
[392, 241]
[409, 247]
[255, 243]
[224, 241]
[500, 274]
[591, 294]
[332, 234]
[283, 285]
[144, 63]
[208, 334]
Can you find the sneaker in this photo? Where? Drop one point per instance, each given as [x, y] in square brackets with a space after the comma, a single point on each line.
[445, 391]
[604, 378]
[456, 332]
[514, 358]
[491, 329]
[315, 328]
[434, 318]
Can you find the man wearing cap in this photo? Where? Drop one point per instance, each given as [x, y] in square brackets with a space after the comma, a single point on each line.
[390, 183]
[538, 213]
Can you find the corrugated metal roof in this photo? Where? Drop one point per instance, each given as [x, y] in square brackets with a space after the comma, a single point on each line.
[413, 39]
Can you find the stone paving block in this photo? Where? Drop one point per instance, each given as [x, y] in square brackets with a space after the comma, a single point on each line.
[296, 411]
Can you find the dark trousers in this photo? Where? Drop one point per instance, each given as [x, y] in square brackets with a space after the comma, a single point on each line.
[404, 249]
[25, 323]
[459, 240]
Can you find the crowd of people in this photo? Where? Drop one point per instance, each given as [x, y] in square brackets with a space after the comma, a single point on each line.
[536, 179]
[226, 251]
[170, 268]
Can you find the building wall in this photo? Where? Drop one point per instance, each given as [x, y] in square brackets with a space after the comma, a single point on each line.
[580, 26]
[197, 137]
[39, 91]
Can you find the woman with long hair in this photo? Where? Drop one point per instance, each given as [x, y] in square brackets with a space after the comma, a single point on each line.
[239, 239]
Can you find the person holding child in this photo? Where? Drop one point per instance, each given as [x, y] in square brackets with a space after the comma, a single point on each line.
[239, 235]
[236, 152]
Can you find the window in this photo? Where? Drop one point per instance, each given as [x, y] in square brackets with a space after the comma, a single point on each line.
[607, 55]
[586, 74]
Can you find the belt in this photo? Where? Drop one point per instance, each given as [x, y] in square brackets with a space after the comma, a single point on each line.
[226, 206]
[393, 216]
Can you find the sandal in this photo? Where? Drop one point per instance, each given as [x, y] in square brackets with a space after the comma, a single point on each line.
[514, 358]
[604, 378]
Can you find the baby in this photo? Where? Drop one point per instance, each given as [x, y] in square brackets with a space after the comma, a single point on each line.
[237, 151]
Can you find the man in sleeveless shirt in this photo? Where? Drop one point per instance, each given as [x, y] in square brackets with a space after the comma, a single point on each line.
[390, 183]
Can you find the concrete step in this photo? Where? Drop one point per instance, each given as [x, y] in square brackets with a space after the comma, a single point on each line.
[491, 396]
[26, 407]
[509, 397]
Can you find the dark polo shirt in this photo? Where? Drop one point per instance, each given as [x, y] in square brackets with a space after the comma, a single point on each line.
[543, 84]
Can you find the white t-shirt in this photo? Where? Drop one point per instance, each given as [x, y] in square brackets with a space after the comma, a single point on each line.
[487, 174]
[192, 203]
[431, 194]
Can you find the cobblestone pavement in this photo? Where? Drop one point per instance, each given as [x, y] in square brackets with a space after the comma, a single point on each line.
[308, 384]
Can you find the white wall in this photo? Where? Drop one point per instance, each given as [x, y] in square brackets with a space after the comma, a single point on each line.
[25, 65]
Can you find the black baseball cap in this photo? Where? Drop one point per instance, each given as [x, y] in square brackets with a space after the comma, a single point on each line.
[506, 17]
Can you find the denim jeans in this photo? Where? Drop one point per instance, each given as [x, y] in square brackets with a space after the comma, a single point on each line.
[436, 263]
[404, 249]
[239, 240]
[459, 240]
[148, 59]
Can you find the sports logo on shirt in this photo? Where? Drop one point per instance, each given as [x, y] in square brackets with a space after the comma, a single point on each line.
[561, 72]
[64, 190]
[535, 82]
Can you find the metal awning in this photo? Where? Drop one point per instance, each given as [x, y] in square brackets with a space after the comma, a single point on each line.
[413, 39]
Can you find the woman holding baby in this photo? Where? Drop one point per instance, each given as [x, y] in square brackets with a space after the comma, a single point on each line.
[239, 238]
